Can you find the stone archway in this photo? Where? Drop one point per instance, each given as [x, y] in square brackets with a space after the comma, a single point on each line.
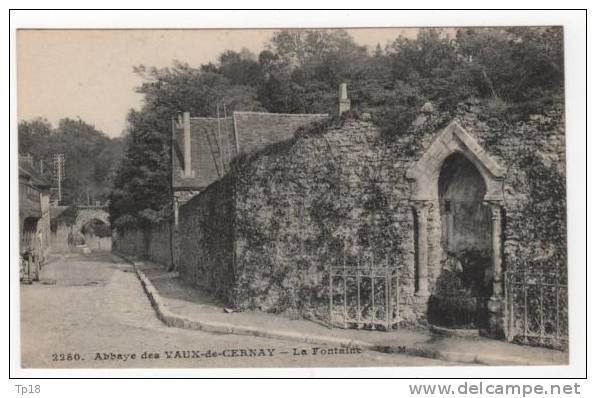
[423, 177]
[90, 226]
[97, 235]
[88, 213]
[463, 285]
[68, 225]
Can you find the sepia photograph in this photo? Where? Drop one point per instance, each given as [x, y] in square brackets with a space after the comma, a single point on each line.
[292, 197]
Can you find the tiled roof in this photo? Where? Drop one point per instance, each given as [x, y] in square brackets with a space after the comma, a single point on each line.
[212, 148]
[27, 171]
[215, 142]
[257, 130]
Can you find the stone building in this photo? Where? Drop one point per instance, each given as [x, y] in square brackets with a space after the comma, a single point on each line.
[435, 216]
[34, 211]
[203, 151]
[338, 221]
[203, 147]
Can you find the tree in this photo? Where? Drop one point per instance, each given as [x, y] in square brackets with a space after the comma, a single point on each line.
[515, 61]
[142, 183]
[430, 63]
[34, 137]
[302, 69]
[240, 68]
[90, 156]
[142, 186]
[509, 73]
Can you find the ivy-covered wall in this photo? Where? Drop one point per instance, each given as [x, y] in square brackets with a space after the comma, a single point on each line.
[264, 237]
[331, 195]
[205, 240]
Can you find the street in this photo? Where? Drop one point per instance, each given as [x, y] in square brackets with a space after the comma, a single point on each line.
[89, 311]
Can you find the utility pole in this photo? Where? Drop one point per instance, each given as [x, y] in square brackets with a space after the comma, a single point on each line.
[59, 170]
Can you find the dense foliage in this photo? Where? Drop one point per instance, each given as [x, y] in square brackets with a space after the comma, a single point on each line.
[508, 73]
[90, 157]
[546, 206]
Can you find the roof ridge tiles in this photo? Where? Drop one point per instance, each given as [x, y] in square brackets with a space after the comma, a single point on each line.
[209, 118]
[279, 114]
[257, 113]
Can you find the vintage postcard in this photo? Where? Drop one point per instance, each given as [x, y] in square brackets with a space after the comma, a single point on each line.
[257, 198]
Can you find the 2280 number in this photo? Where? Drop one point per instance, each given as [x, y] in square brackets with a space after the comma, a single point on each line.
[68, 357]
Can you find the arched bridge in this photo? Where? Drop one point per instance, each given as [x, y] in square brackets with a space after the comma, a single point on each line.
[88, 213]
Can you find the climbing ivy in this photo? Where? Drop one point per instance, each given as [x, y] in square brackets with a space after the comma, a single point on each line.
[541, 222]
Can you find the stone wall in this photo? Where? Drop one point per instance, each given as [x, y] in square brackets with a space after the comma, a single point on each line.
[264, 237]
[345, 187]
[159, 248]
[324, 197]
[59, 239]
[95, 243]
[152, 243]
[205, 240]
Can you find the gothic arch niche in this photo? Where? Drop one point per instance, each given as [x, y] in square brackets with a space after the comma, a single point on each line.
[465, 220]
[456, 166]
[424, 174]
[462, 290]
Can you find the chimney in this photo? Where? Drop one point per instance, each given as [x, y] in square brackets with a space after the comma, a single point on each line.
[187, 146]
[344, 101]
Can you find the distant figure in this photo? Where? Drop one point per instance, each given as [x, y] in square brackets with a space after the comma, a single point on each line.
[70, 240]
[79, 239]
[75, 239]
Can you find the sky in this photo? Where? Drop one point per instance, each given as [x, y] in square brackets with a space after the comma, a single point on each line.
[88, 74]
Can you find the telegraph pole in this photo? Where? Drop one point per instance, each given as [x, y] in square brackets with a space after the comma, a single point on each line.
[59, 169]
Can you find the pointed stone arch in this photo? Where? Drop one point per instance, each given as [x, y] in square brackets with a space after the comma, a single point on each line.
[423, 177]
[424, 174]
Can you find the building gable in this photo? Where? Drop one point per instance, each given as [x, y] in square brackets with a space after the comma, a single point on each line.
[215, 142]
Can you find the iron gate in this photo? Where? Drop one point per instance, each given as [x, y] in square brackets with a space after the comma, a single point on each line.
[537, 308]
[364, 296]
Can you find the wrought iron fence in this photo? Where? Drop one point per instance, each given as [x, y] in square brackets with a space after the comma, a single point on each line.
[364, 296]
[537, 308]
